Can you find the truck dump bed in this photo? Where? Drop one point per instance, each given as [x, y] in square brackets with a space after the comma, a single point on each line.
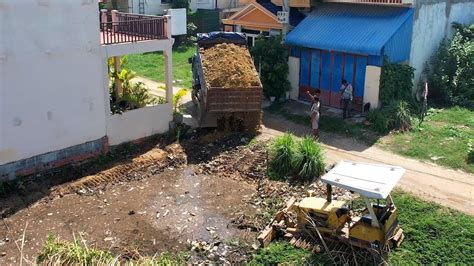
[228, 78]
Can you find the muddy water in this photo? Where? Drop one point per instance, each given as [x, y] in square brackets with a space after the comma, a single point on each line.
[152, 215]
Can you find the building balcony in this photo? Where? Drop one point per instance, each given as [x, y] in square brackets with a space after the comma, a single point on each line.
[119, 27]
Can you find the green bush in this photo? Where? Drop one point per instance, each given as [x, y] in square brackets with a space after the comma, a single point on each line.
[309, 160]
[396, 83]
[138, 96]
[397, 115]
[272, 56]
[282, 153]
[401, 116]
[180, 4]
[450, 69]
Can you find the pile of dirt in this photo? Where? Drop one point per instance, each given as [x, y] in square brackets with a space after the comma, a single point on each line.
[228, 66]
[145, 165]
[247, 162]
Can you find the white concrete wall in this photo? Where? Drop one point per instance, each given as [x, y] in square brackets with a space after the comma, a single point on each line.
[432, 23]
[294, 76]
[152, 7]
[372, 86]
[51, 78]
[138, 123]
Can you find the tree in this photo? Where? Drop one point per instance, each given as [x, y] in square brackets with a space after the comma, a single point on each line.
[180, 4]
[271, 57]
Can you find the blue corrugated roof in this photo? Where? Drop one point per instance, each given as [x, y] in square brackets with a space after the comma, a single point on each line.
[295, 15]
[361, 29]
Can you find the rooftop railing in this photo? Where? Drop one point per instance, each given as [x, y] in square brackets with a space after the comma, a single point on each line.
[118, 27]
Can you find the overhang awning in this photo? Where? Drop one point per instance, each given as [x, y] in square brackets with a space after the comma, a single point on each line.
[374, 181]
[350, 28]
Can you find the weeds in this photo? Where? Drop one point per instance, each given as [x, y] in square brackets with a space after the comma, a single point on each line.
[58, 252]
[282, 153]
[309, 160]
[289, 157]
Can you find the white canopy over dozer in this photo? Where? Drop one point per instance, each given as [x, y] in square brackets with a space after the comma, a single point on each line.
[374, 181]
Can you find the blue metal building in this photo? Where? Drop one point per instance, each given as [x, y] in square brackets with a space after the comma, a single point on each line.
[338, 41]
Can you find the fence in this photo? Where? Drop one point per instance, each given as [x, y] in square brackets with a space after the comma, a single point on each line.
[125, 27]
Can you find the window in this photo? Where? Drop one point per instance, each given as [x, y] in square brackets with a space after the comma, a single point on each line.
[166, 1]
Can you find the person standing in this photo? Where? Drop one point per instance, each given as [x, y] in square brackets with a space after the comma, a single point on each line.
[315, 112]
[346, 98]
[424, 96]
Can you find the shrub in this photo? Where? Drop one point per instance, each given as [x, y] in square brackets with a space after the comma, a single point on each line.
[180, 4]
[138, 96]
[396, 83]
[309, 160]
[272, 56]
[450, 69]
[379, 121]
[282, 153]
[401, 119]
[396, 115]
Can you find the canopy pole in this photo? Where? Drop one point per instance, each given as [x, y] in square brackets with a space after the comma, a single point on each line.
[328, 193]
[375, 222]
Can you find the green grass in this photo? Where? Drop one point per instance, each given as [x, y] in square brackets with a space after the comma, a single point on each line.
[433, 235]
[151, 65]
[443, 138]
[59, 252]
[327, 124]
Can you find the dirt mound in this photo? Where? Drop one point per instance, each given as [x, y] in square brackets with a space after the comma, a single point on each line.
[228, 66]
[147, 164]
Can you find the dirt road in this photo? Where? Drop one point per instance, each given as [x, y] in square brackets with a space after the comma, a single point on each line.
[451, 188]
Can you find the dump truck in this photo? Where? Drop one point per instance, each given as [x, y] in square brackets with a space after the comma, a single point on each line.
[314, 221]
[227, 91]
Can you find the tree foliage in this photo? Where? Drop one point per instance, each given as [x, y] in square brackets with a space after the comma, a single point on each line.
[180, 4]
[271, 55]
[396, 82]
[450, 72]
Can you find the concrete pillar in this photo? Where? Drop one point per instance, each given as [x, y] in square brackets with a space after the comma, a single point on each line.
[118, 82]
[169, 74]
[103, 15]
[168, 26]
[115, 20]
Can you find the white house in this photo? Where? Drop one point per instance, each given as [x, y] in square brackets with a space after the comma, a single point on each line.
[54, 103]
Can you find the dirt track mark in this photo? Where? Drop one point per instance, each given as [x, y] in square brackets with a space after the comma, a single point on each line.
[151, 162]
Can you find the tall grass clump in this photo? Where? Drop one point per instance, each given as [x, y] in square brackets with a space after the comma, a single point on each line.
[282, 153]
[59, 252]
[402, 117]
[309, 160]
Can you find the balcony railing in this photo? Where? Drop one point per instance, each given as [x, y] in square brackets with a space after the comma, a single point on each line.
[117, 27]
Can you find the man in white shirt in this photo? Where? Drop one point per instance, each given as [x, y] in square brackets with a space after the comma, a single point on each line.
[346, 98]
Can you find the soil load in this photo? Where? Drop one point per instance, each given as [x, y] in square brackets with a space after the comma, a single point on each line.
[228, 66]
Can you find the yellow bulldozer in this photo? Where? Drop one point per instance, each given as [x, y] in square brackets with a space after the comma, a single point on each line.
[314, 222]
